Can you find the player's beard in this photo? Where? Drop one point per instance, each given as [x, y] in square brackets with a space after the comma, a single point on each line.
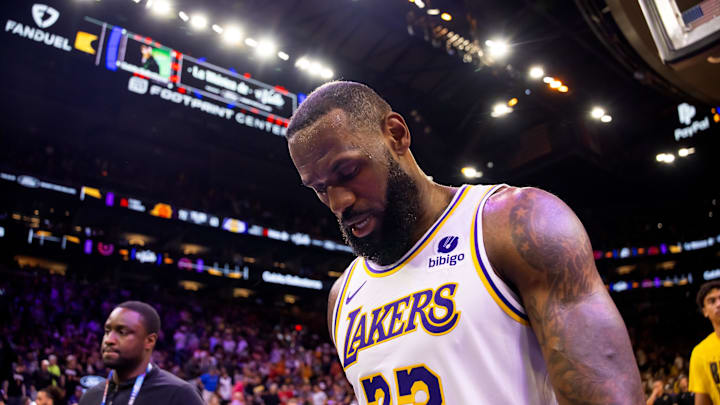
[392, 239]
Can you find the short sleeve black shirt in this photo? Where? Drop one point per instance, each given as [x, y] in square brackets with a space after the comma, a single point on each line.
[665, 399]
[159, 388]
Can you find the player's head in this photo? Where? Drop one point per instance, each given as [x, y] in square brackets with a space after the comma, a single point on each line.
[131, 331]
[50, 395]
[353, 150]
[708, 300]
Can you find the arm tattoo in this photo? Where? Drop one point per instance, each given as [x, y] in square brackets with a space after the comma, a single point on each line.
[583, 339]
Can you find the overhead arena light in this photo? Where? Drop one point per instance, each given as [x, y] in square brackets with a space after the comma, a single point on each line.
[161, 7]
[548, 79]
[265, 48]
[471, 172]
[500, 110]
[251, 42]
[217, 28]
[665, 158]
[302, 63]
[232, 35]
[327, 73]
[446, 16]
[685, 152]
[536, 72]
[282, 55]
[563, 89]
[198, 21]
[556, 84]
[597, 113]
[314, 68]
[606, 118]
[433, 11]
[183, 16]
[497, 48]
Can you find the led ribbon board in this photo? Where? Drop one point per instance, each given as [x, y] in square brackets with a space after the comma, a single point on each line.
[183, 79]
[237, 90]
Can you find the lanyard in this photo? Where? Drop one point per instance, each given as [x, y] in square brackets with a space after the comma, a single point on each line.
[136, 387]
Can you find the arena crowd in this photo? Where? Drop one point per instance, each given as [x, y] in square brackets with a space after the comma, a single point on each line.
[245, 354]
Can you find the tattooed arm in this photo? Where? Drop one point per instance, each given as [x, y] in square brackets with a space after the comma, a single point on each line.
[536, 243]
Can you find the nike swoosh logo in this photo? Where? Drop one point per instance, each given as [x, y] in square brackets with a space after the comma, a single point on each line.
[350, 297]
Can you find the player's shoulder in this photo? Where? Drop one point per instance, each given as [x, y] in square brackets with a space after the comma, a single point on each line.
[507, 198]
[511, 205]
[708, 345]
[335, 291]
[521, 224]
[338, 283]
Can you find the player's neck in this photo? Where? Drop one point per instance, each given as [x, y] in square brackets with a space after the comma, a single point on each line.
[435, 198]
[716, 327]
[123, 375]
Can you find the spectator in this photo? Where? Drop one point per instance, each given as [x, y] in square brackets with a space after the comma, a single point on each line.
[684, 397]
[320, 398]
[210, 383]
[238, 398]
[225, 387]
[72, 373]
[54, 369]
[271, 397]
[50, 395]
[75, 397]
[16, 388]
[214, 399]
[43, 378]
[285, 394]
[666, 396]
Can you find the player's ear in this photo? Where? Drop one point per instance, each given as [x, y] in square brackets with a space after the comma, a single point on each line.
[397, 132]
[150, 341]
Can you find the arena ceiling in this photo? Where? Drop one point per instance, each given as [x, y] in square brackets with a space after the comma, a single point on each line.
[549, 140]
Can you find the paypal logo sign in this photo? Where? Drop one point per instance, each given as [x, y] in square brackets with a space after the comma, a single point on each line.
[686, 112]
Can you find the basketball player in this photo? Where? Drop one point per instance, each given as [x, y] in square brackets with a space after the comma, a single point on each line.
[705, 357]
[482, 294]
[131, 331]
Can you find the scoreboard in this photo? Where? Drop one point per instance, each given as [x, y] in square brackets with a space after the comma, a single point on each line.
[152, 67]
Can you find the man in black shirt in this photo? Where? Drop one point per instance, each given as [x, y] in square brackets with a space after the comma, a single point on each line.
[131, 332]
[684, 397]
[42, 377]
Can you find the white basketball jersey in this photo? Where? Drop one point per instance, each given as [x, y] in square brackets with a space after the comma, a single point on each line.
[439, 326]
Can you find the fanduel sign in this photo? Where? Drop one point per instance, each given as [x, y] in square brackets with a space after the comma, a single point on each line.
[44, 17]
[686, 113]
